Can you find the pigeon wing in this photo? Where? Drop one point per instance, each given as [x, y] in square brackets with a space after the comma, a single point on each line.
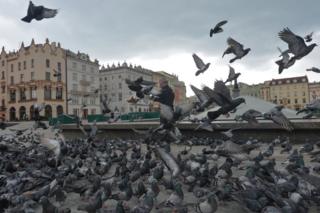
[295, 43]
[198, 61]
[236, 46]
[280, 119]
[201, 95]
[49, 13]
[222, 89]
[221, 23]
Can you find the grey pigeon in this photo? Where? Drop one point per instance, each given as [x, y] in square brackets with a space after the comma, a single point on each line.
[311, 109]
[250, 116]
[308, 38]
[314, 69]
[140, 86]
[296, 44]
[235, 48]
[285, 62]
[217, 28]
[204, 99]
[279, 118]
[232, 75]
[202, 67]
[209, 205]
[38, 13]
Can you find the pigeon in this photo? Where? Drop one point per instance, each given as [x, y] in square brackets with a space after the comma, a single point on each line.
[250, 116]
[133, 100]
[204, 100]
[314, 69]
[217, 28]
[310, 109]
[279, 118]
[232, 75]
[285, 62]
[209, 205]
[38, 13]
[202, 67]
[104, 102]
[235, 48]
[308, 38]
[296, 44]
[140, 86]
[57, 73]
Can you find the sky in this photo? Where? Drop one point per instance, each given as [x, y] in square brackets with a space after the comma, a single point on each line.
[163, 35]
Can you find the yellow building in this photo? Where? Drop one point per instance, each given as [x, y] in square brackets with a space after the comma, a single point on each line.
[178, 87]
[293, 92]
[28, 78]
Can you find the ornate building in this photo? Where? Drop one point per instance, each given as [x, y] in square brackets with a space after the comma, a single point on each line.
[293, 92]
[27, 77]
[82, 81]
[112, 83]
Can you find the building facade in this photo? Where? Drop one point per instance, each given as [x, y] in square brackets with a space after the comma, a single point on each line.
[82, 82]
[314, 91]
[27, 78]
[178, 87]
[293, 92]
[249, 90]
[112, 83]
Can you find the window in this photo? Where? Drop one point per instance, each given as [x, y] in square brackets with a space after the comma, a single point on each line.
[92, 69]
[303, 94]
[48, 76]
[120, 96]
[12, 67]
[22, 94]
[289, 101]
[47, 63]
[295, 101]
[33, 93]
[75, 111]
[93, 111]
[32, 63]
[93, 101]
[100, 79]
[105, 78]
[295, 93]
[21, 77]
[83, 77]
[59, 66]
[19, 66]
[12, 80]
[74, 76]
[280, 101]
[59, 93]
[24, 65]
[47, 93]
[74, 87]
[119, 76]
[32, 76]
[3, 89]
[92, 80]
[13, 95]
[120, 85]
[105, 87]
[84, 67]
[2, 75]
[304, 100]
[3, 63]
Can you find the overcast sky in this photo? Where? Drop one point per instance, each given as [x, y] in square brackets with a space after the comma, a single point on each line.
[162, 35]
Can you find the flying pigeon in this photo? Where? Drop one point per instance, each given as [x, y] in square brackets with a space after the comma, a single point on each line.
[250, 116]
[38, 13]
[314, 69]
[232, 75]
[296, 44]
[140, 86]
[204, 99]
[308, 38]
[56, 73]
[311, 108]
[202, 67]
[279, 118]
[285, 62]
[217, 28]
[235, 48]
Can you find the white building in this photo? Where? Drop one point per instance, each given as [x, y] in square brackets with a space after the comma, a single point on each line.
[112, 83]
[82, 81]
